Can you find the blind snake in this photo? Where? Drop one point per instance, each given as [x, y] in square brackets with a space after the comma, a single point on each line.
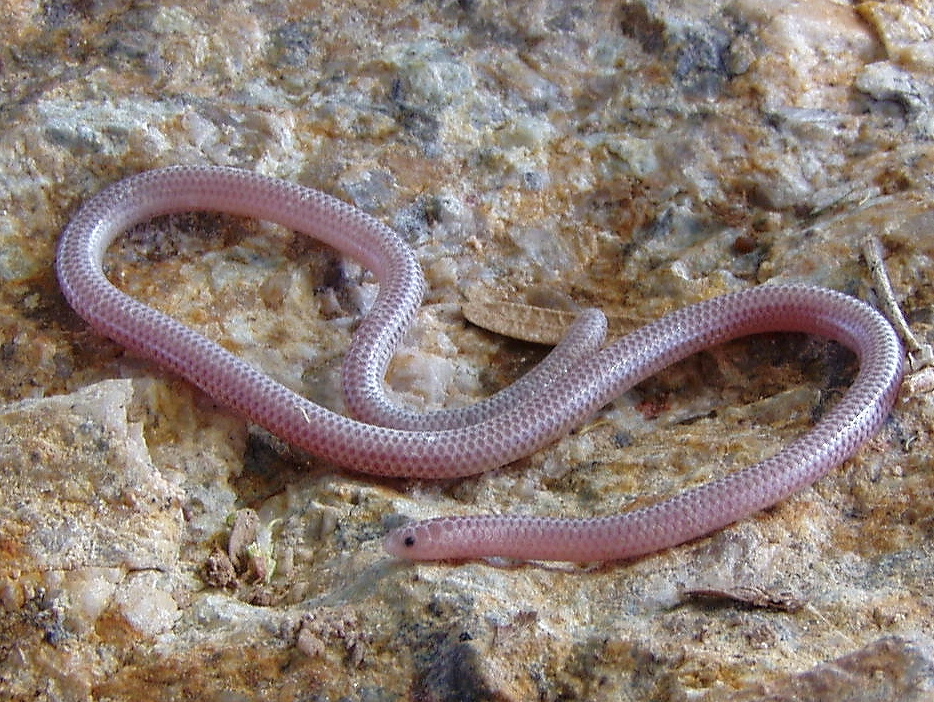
[575, 380]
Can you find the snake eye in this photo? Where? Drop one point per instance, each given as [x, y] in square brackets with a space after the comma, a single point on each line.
[409, 541]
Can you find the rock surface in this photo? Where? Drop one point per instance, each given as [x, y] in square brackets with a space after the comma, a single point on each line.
[633, 156]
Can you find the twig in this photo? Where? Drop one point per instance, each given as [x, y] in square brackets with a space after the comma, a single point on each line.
[919, 355]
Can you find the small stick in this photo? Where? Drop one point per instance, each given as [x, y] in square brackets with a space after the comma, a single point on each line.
[919, 355]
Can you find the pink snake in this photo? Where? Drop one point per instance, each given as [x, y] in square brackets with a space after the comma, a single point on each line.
[574, 381]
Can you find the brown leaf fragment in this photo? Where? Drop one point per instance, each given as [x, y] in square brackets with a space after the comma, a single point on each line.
[748, 595]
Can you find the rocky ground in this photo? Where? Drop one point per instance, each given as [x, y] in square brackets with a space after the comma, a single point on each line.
[632, 156]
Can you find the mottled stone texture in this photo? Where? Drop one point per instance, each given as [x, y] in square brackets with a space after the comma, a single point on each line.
[634, 156]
